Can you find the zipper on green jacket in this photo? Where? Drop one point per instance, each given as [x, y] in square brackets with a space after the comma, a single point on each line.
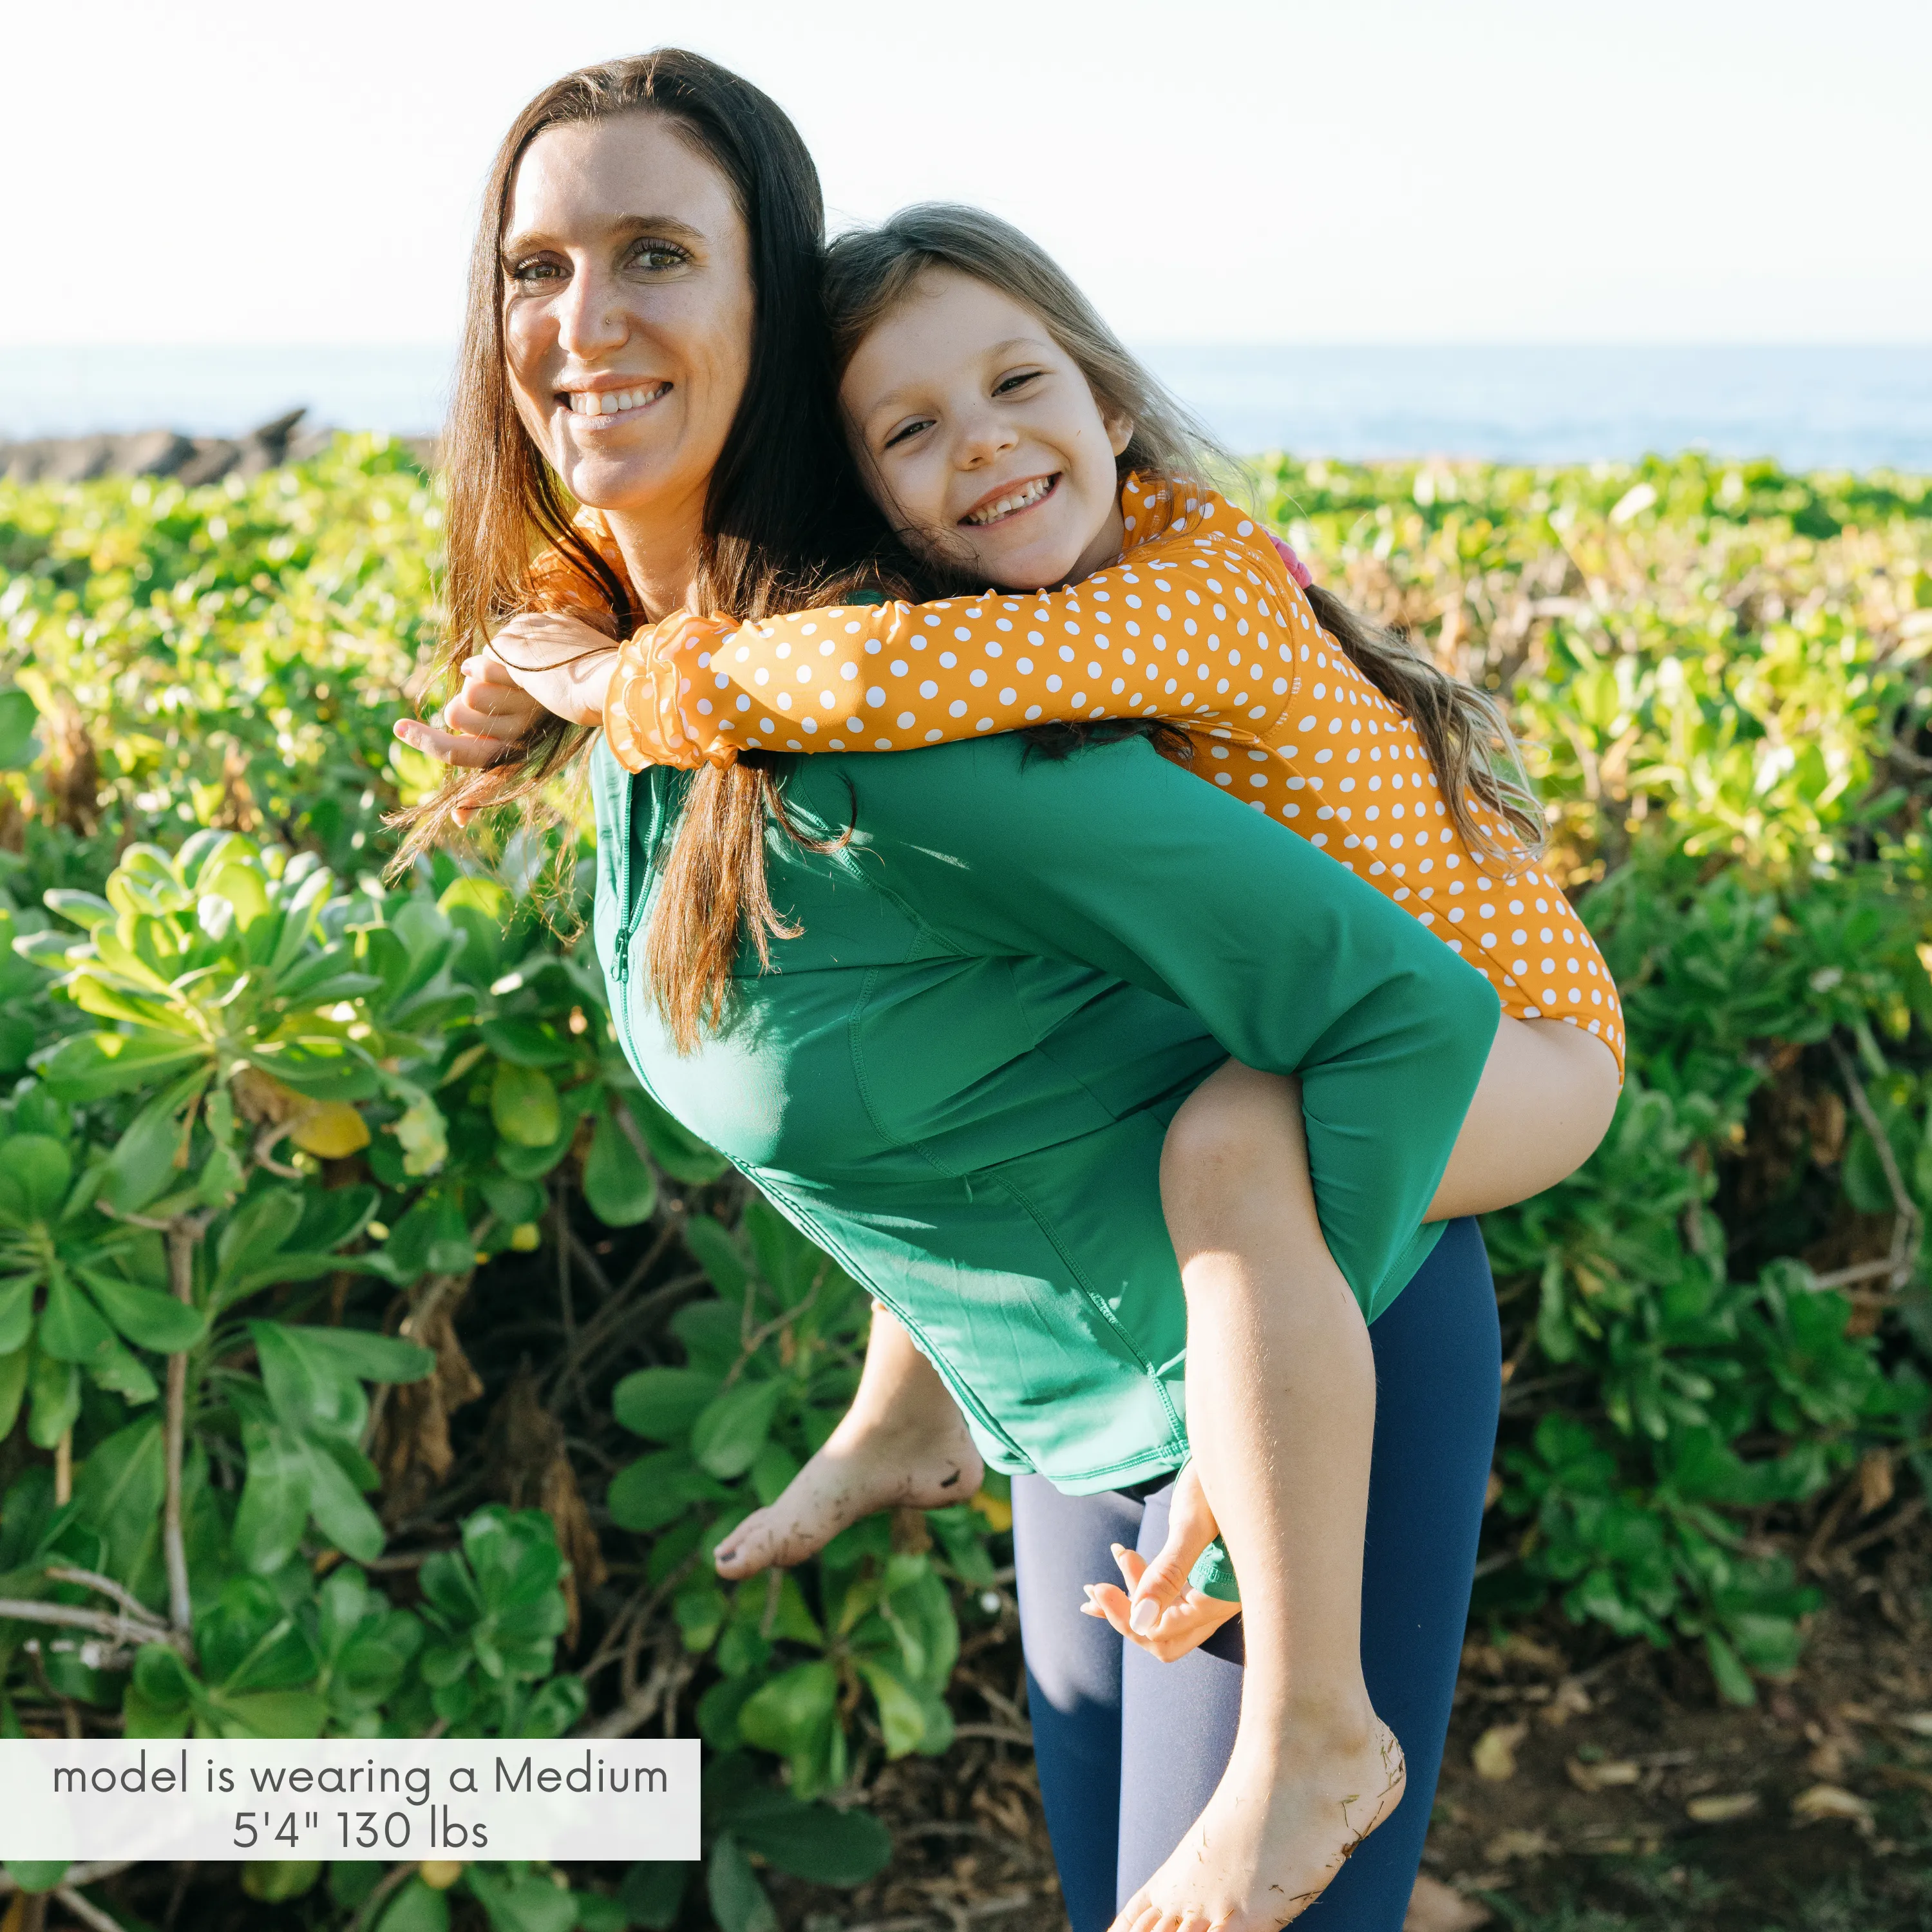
[629, 919]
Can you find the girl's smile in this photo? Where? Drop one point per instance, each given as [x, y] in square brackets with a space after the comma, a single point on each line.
[1004, 501]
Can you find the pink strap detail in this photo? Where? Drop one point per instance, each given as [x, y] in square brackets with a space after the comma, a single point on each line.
[1297, 569]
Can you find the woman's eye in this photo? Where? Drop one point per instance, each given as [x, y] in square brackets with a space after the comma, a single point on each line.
[1012, 383]
[532, 275]
[904, 431]
[658, 256]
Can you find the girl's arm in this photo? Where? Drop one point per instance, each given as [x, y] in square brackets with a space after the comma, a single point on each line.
[1136, 639]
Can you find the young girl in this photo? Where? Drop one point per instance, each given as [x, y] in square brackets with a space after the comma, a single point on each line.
[1012, 440]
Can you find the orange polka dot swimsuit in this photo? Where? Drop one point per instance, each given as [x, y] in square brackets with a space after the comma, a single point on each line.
[1202, 623]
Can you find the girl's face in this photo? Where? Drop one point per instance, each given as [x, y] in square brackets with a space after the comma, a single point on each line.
[627, 311]
[979, 434]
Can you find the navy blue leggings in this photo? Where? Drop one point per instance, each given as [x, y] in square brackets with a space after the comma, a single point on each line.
[1130, 1751]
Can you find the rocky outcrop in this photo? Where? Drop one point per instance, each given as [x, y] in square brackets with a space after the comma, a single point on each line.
[166, 452]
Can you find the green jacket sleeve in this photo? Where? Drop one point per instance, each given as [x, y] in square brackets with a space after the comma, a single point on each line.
[1116, 858]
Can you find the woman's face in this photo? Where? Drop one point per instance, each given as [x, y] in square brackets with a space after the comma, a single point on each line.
[627, 311]
[979, 434]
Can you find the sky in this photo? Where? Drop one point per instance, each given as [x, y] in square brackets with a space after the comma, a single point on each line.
[214, 172]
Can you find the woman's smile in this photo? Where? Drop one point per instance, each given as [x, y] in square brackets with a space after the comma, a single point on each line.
[606, 403]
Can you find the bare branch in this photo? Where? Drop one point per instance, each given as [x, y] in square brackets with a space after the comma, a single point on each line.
[1905, 1227]
[98, 1623]
[92, 1579]
[89, 1914]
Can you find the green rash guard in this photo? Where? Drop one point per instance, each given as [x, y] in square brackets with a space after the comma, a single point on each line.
[958, 1078]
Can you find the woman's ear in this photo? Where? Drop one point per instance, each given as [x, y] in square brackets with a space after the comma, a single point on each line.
[1120, 432]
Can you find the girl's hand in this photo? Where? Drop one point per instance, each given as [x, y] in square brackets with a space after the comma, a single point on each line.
[1159, 1611]
[560, 662]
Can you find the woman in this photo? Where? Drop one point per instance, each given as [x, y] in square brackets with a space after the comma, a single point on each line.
[992, 1000]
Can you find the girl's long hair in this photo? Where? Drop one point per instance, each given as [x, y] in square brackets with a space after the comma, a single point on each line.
[1465, 731]
[787, 522]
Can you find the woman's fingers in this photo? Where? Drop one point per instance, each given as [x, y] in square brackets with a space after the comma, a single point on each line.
[1183, 1629]
[450, 748]
[1190, 1528]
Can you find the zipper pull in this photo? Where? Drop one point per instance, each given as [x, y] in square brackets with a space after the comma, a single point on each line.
[620, 967]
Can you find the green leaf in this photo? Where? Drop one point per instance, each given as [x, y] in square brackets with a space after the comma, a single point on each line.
[35, 1875]
[639, 1497]
[902, 1712]
[18, 717]
[143, 1163]
[155, 1320]
[13, 1387]
[91, 1066]
[273, 1880]
[35, 1174]
[621, 1189]
[416, 1908]
[786, 1714]
[673, 1146]
[521, 1901]
[256, 1231]
[1734, 1680]
[71, 1330]
[339, 1513]
[526, 1043]
[122, 1372]
[660, 1405]
[370, 1356]
[351, 1880]
[55, 1389]
[813, 1841]
[512, 1200]
[118, 1492]
[653, 1892]
[727, 1437]
[17, 1312]
[270, 1714]
[273, 1509]
[523, 1105]
[718, 1255]
[738, 1900]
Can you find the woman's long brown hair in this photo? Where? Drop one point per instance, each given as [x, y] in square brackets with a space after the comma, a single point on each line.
[787, 523]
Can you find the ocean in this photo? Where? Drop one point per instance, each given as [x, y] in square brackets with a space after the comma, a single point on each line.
[1810, 407]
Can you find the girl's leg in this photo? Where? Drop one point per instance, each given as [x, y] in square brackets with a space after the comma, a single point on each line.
[1281, 1406]
[1437, 1357]
[1073, 1682]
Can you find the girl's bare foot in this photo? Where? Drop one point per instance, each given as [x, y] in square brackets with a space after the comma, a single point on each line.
[863, 1467]
[1273, 1836]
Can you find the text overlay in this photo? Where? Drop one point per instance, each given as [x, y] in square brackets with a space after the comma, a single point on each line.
[349, 1798]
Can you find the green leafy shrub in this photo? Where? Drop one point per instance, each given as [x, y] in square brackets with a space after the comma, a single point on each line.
[268, 1129]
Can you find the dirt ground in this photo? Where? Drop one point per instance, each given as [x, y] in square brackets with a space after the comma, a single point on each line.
[1588, 1787]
